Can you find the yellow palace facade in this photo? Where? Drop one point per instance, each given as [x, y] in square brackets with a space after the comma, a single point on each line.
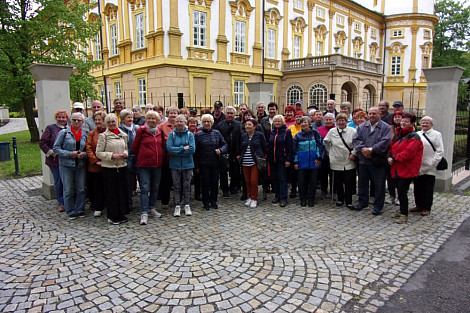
[308, 49]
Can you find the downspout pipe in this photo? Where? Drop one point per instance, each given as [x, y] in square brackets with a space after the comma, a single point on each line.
[383, 59]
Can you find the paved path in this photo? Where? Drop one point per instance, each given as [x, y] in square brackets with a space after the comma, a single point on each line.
[15, 125]
[269, 259]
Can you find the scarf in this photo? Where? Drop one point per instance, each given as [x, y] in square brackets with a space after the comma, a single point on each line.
[78, 135]
[152, 130]
[115, 131]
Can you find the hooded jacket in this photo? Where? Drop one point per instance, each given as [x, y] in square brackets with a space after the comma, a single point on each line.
[148, 148]
[181, 159]
[307, 148]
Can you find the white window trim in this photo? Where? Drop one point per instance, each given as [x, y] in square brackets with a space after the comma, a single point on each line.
[142, 91]
[199, 29]
[240, 36]
[139, 31]
[271, 44]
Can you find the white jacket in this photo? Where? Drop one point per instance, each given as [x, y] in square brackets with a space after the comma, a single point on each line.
[431, 158]
[339, 154]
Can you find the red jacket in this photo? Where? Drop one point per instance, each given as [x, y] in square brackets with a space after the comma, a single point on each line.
[406, 150]
[148, 148]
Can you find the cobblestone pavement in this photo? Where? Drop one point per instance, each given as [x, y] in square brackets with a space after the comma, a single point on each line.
[269, 259]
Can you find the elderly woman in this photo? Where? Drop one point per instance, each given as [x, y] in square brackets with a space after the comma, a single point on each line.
[325, 170]
[252, 142]
[308, 153]
[95, 184]
[406, 153]
[130, 129]
[139, 119]
[148, 148]
[112, 150]
[433, 151]
[181, 146]
[289, 113]
[209, 145]
[70, 147]
[359, 117]
[279, 158]
[46, 143]
[338, 143]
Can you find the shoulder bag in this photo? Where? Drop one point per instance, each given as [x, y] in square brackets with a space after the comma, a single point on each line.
[442, 165]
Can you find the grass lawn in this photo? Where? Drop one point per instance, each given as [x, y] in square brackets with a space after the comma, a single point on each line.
[29, 156]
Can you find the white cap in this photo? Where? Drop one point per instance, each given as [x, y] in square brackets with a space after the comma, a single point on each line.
[78, 105]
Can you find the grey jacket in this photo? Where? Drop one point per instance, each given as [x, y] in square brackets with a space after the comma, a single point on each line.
[378, 140]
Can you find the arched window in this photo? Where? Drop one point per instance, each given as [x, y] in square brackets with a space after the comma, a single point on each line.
[294, 93]
[318, 95]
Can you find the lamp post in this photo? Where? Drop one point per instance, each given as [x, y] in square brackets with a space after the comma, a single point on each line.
[413, 81]
[332, 70]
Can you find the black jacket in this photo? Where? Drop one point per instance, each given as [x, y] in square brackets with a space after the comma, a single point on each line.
[206, 143]
[231, 131]
[258, 145]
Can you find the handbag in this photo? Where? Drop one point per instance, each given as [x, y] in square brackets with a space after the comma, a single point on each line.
[224, 161]
[442, 165]
[261, 163]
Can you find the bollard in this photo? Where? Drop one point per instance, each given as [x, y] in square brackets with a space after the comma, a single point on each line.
[15, 155]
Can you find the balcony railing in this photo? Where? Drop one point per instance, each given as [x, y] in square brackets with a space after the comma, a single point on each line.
[323, 62]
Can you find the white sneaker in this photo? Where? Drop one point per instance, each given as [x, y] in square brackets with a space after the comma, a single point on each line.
[248, 202]
[253, 204]
[390, 200]
[187, 210]
[177, 211]
[396, 202]
[155, 213]
[143, 219]
[97, 214]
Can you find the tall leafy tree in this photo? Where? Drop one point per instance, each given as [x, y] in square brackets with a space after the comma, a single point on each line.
[43, 31]
[451, 38]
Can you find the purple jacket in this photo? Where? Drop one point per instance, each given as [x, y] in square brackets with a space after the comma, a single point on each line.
[47, 142]
[378, 140]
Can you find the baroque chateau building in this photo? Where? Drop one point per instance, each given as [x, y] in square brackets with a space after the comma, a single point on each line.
[357, 51]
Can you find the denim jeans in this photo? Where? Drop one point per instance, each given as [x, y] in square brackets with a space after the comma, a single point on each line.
[210, 183]
[308, 184]
[181, 185]
[58, 187]
[73, 180]
[279, 180]
[377, 176]
[149, 180]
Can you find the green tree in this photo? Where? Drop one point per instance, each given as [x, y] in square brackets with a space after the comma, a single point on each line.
[43, 31]
[451, 38]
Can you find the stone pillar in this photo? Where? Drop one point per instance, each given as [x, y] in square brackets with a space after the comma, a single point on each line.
[52, 94]
[259, 92]
[441, 105]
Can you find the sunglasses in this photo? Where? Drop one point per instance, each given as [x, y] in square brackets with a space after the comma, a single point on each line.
[76, 120]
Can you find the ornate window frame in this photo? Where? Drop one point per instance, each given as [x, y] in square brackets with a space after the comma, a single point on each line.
[294, 93]
[272, 18]
[340, 40]
[397, 33]
[357, 43]
[111, 13]
[298, 26]
[396, 53]
[320, 36]
[195, 51]
[314, 94]
[298, 6]
[241, 11]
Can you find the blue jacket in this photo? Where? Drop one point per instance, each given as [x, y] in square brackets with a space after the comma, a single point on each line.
[65, 144]
[378, 140]
[181, 159]
[206, 143]
[308, 147]
[258, 145]
[280, 145]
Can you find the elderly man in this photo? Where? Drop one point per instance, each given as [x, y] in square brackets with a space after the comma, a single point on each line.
[298, 105]
[318, 120]
[119, 105]
[385, 116]
[149, 107]
[371, 143]
[139, 119]
[330, 107]
[261, 110]
[77, 107]
[89, 123]
[230, 129]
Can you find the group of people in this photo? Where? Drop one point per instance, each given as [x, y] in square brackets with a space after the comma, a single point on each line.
[104, 156]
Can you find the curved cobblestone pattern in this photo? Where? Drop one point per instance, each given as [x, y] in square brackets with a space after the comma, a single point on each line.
[235, 259]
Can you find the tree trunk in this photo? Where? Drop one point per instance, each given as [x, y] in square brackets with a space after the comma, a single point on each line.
[28, 111]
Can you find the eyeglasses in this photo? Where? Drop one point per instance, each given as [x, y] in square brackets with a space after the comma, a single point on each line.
[76, 120]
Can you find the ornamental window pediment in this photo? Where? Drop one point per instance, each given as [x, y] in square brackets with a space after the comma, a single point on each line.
[298, 24]
[242, 8]
[427, 47]
[136, 4]
[272, 16]
[397, 48]
[110, 11]
[320, 31]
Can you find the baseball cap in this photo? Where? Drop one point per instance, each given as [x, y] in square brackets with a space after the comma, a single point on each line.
[218, 104]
